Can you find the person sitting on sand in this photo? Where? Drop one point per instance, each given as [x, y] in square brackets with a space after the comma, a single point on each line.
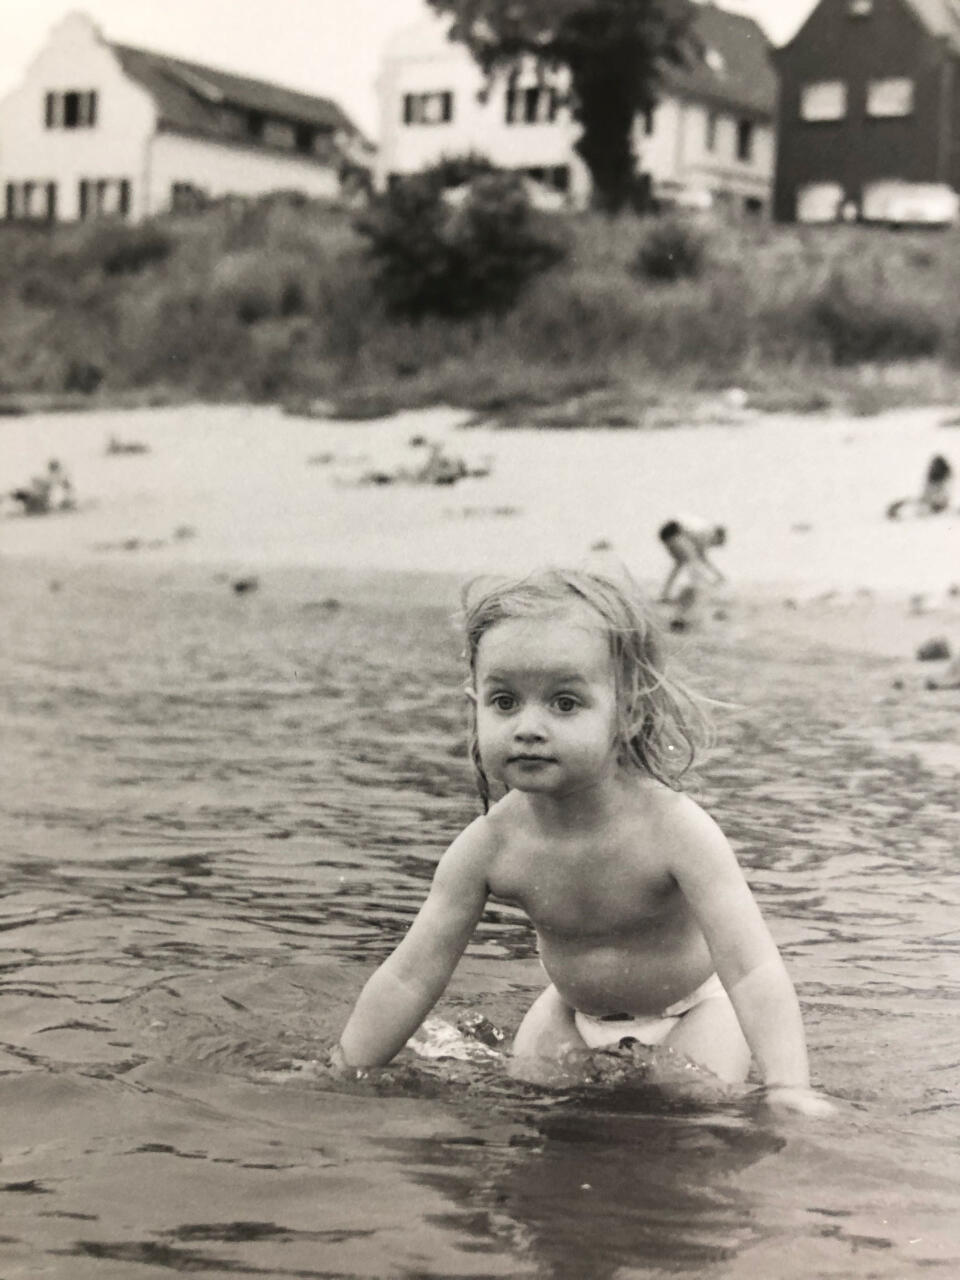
[687, 540]
[51, 491]
[935, 496]
[646, 926]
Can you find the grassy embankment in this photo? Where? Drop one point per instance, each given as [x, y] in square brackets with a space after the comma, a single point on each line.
[276, 303]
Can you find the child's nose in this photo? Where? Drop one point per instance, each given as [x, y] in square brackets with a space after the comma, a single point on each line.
[529, 724]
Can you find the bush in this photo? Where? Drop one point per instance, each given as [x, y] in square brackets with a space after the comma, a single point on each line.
[256, 285]
[435, 256]
[671, 250]
[859, 325]
[120, 250]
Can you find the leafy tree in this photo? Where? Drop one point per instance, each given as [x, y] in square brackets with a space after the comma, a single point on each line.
[614, 51]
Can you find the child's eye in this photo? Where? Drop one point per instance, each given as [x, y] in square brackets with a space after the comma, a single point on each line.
[565, 702]
[503, 701]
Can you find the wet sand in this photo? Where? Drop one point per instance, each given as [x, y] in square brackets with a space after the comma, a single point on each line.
[250, 492]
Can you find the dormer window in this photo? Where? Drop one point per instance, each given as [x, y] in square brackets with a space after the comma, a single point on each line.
[860, 8]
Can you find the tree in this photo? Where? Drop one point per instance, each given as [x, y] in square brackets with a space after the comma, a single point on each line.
[614, 51]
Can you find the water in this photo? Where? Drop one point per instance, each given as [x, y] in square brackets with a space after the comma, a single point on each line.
[220, 811]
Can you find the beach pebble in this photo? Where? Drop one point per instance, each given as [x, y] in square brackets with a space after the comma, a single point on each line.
[933, 650]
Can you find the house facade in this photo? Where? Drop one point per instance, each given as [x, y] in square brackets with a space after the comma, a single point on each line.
[869, 98]
[710, 139]
[104, 130]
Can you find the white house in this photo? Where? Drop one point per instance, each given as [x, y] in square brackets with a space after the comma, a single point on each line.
[710, 139]
[99, 129]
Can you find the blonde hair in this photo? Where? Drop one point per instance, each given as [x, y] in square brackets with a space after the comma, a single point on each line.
[660, 722]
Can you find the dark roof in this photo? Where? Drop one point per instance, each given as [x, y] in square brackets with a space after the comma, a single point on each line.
[190, 97]
[728, 62]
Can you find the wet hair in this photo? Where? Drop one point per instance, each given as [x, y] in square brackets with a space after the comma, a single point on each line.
[660, 722]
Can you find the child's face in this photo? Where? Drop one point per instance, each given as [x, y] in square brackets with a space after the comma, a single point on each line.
[546, 702]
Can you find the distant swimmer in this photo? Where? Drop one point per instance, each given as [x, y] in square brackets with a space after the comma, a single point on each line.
[687, 540]
[935, 495]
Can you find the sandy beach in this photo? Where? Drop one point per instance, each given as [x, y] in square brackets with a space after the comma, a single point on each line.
[250, 490]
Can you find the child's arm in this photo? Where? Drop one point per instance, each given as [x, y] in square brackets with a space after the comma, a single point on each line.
[401, 993]
[746, 959]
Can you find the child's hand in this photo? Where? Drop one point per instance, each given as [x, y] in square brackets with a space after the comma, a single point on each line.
[796, 1098]
[339, 1066]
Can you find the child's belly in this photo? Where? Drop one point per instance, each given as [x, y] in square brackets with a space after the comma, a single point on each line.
[637, 976]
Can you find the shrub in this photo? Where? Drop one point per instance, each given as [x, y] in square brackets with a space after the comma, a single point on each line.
[120, 250]
[457, 258]
[671, 250]
[860, 325]
[259, 285]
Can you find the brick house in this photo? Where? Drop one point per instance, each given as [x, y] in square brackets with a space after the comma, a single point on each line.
[96, 129]
[869, 98]
[711, 135]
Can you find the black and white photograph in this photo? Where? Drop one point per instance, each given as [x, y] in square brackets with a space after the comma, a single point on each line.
[480, 639]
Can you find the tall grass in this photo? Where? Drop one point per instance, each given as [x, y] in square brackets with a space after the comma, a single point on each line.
[273, 302]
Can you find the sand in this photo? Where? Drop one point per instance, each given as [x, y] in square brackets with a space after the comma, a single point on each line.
[250, 489]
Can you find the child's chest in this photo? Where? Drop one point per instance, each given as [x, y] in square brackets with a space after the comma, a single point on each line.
[575, 887]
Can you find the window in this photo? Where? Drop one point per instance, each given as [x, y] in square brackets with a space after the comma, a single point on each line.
[304, 138]
[823, 100]
[745, 133]
[892, 97]
[860, 8]
[277, 133]
[74, 109]
[536, 104]
[710, 140]
[37, 200]
[428, 108]
[103, 198]
[255, 123]
[649, 121]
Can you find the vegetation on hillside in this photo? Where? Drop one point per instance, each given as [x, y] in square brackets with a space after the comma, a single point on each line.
[280, 302]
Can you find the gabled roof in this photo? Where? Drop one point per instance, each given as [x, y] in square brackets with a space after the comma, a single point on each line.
[190, 97]
[940, 17]
[728, 62]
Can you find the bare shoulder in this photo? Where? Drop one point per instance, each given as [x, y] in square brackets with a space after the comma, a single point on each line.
[471, 854]
[682, 829]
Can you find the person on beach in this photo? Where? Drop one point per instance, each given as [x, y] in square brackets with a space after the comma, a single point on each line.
[688, 540]
[51, 491]
[646, 926]
[934, 497]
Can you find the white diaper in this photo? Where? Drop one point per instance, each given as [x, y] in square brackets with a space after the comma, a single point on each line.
[599, 1032]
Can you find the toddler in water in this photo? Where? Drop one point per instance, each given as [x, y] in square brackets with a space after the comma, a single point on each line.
[646, 926]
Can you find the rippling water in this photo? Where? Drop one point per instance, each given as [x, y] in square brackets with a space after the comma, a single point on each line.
[219, 811]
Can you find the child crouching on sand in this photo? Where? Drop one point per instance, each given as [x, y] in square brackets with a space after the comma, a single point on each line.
[645, 923]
